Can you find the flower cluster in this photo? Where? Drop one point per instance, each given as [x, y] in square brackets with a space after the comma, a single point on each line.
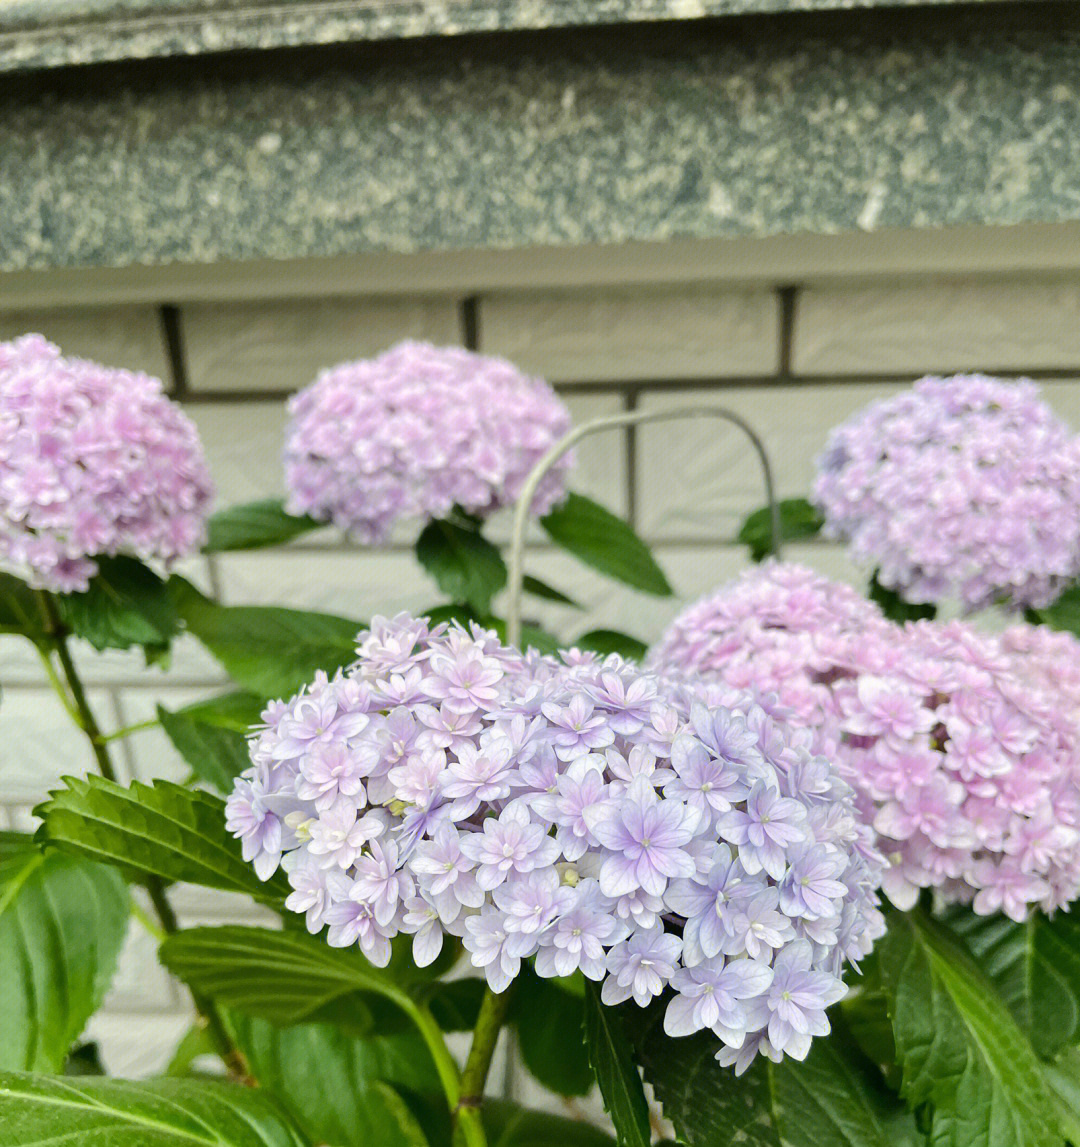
[93, 461]
[964, 487]
[577, 811]
[962, 750]
[415, 432]
[1049, 660]
[762, 633]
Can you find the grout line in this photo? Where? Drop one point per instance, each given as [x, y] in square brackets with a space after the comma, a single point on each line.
[735, 381]
[470, 322]
[173, 334]
[631, 403]
[787, 299]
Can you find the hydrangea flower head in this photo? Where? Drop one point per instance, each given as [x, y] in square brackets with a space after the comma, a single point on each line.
[962, 747]
[416, 432]
[965, 487]
[761, 632]
[93, 461]
[575, 811]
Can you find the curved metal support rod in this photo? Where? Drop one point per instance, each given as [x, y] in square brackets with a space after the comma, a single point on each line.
[597, 426]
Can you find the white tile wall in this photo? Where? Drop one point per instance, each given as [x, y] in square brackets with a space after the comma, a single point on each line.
[693, 483]
[630, 334]
[130, 337]
[698, 477]
[281, 346]
[958, 325]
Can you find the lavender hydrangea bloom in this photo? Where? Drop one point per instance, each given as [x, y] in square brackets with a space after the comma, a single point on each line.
[965, 487]
[415, 432]
[93, 462]
[960, 746]
[574, 811]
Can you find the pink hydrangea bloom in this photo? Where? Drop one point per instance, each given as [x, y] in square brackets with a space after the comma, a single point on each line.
[415, 432]
[965, 487]
[576, 811]
[963, 748]
[1049, 659]
[93, 461]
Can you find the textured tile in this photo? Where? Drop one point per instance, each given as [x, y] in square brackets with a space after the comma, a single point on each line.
[699, 477]
[141, 984]
[196, 906]
[939, 326]
[130, 337]
[149, 752]
[356, 583]
[607, 604]
[601, 469]
[282, 345]
[39, 743]
[20, 818]
[581, 336]
[243, 443]
[138, 1045]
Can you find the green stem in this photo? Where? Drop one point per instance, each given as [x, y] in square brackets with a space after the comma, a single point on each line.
[231, 1055]
[84, 715]
[435, 1040]
[58, 686]
[127, 730]
[147, 921]
[489, 1023]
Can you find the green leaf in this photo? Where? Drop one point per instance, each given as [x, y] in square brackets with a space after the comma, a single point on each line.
[266, 650]
[254, 525]
[541, 589]
[455, 1004]
[895, 607]
[600, 539]
[835, 1098]
[615, 1070]
[605, 641]
[865, 1015]
[160, 830]
[127, 604]
[1063, 614]
[195, 1044]
[40, 1111]
[1063, 1079]
[284, 977]
[545, 1015]
[206, 736]
[62, 923]
[701, 1099]
[958, 1045]
[20, 611]
[329, 1082]
[798, 520]
[464, 564]
[508, 1125]
[1036, 968]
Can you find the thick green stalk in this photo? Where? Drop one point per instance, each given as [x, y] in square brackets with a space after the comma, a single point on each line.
[485, 1035]
[231, 1055]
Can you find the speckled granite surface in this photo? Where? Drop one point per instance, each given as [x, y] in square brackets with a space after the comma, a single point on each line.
[605, 140]
[55, 33]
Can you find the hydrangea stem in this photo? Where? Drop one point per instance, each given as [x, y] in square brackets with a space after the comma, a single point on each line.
[485, 1035]
[75, 694]
[598, 426]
